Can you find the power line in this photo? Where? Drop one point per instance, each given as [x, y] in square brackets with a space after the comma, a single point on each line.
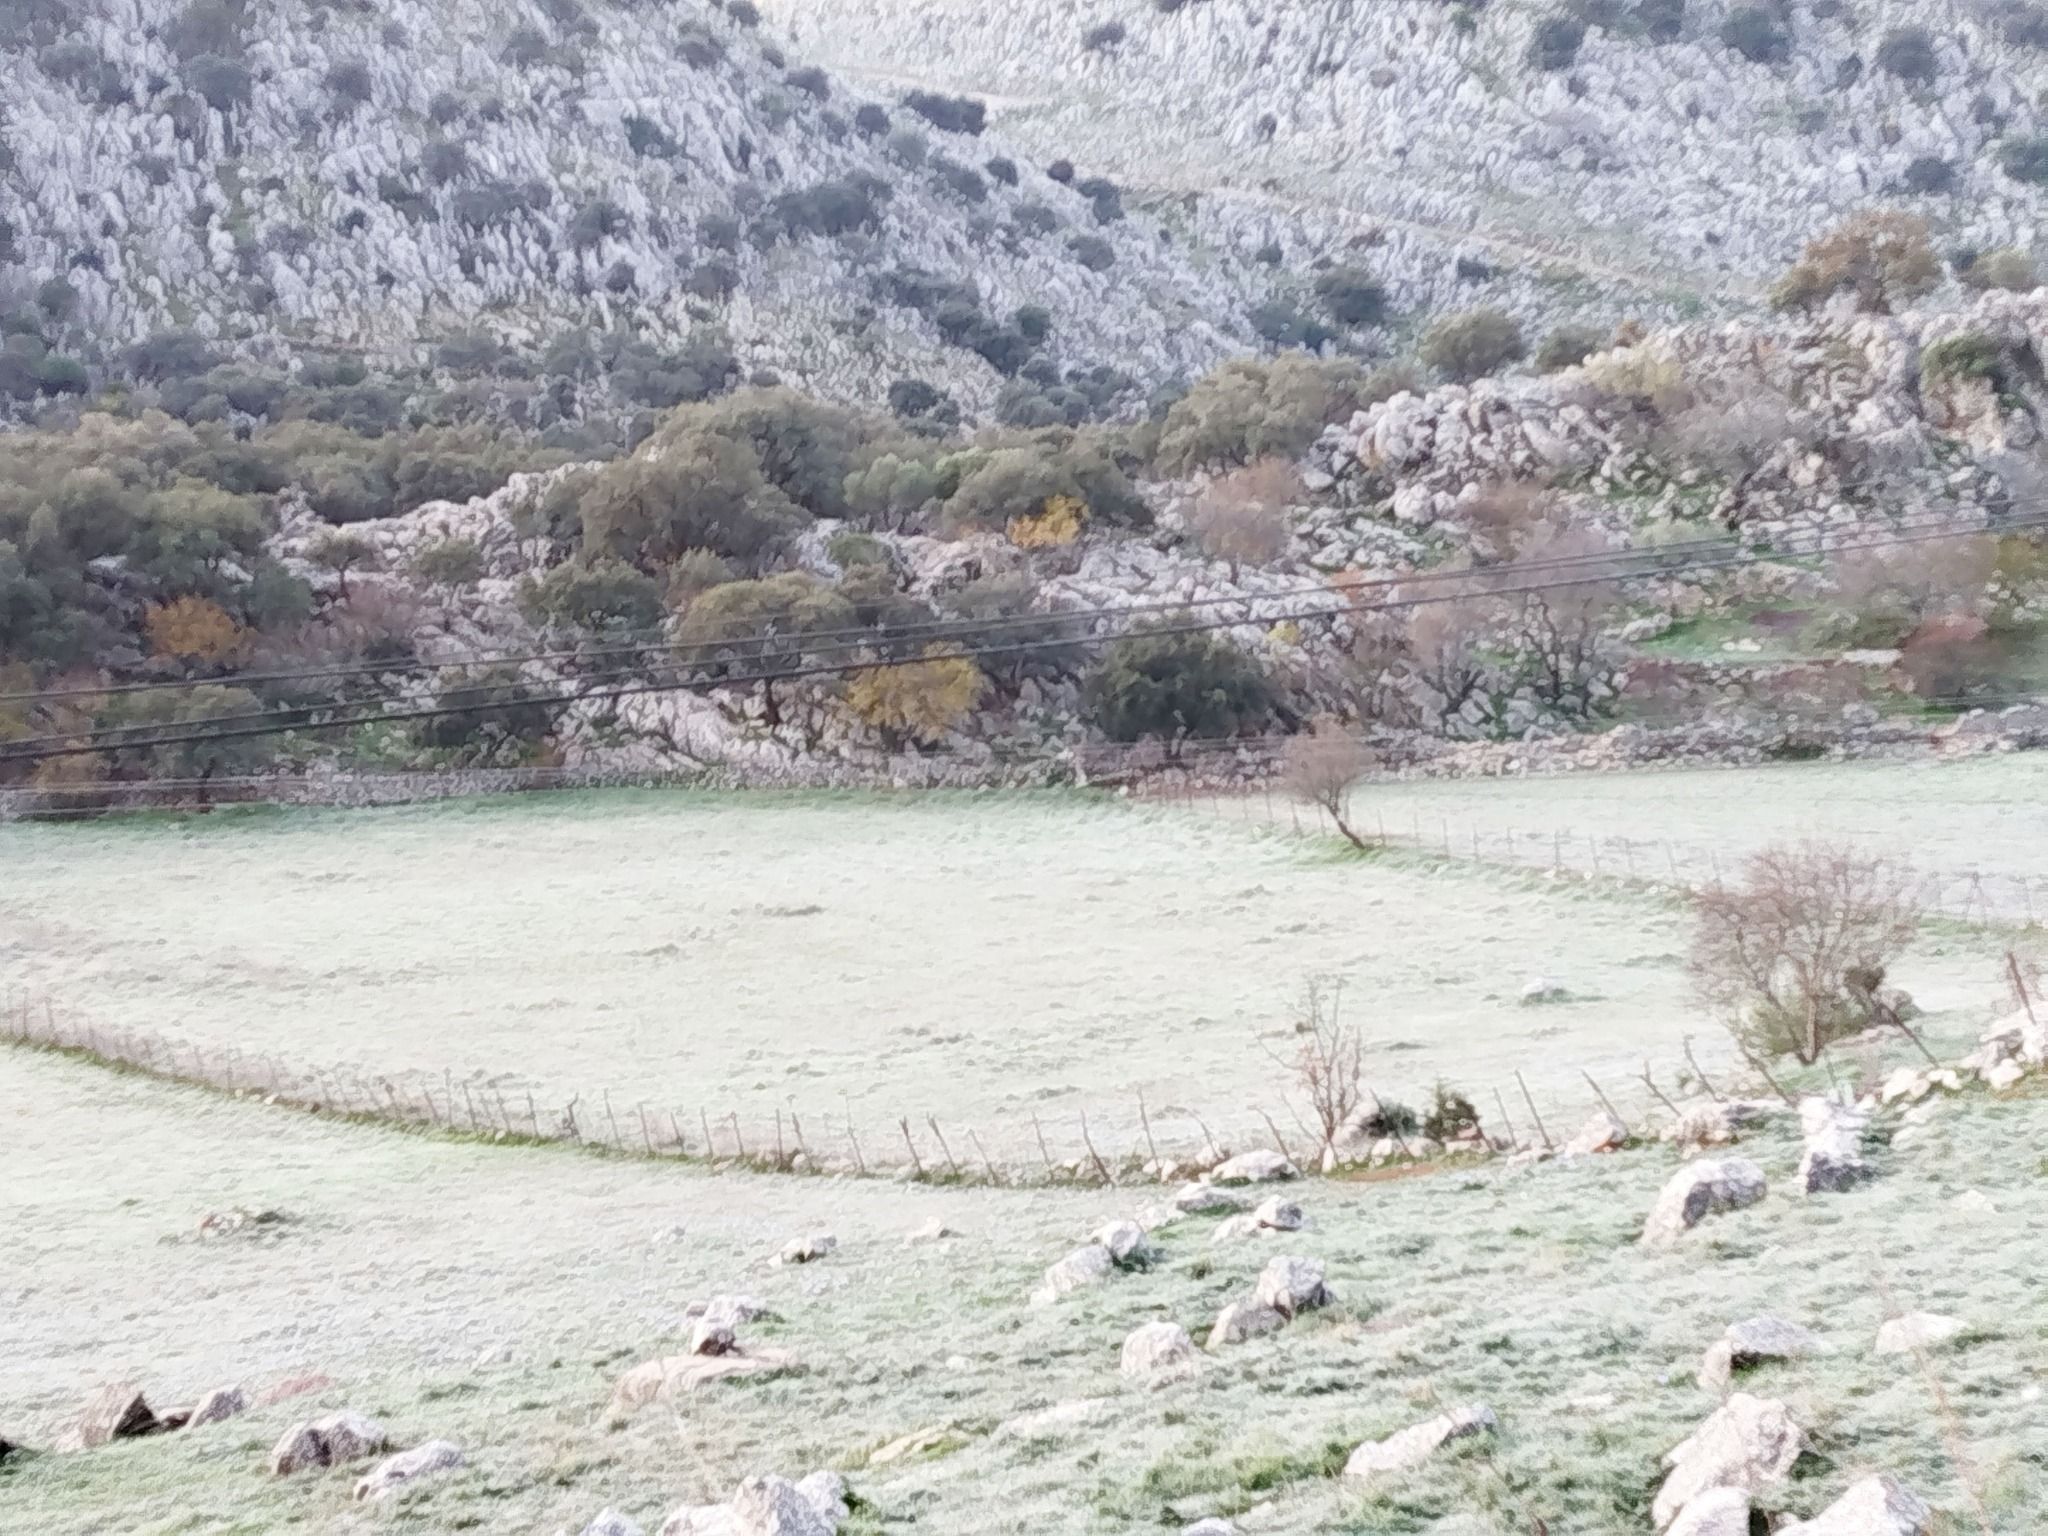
[269, 724]
[937, 629]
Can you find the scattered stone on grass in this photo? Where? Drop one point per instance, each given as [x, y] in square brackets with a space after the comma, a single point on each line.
[327, 1442]
[1702, 1188]
[1158, 1350]
[1292, 1286]
[1750, 1343]
[1086, 1266]
[933, 1231]
[1416, 1444]
[1275, 1215]
[1603, 1133]
[394, 1472]
[1748, 1443]
[807, 1250]
[768, 1506]
[1067, 1415]
[1916, 1330]
[1876, 1506]
[221, 1403]
[2006, 1074]
[1126, 1243]
[1833, 1160]
[10, 1447]
[1244, 1319]
[1542, 989]
[1205, 1199]
[1716, 1123]
[1717, 1512]
[671, 1375]
[731, 1311]
[609, 1522]
[117, 1412]
[1262, 1166]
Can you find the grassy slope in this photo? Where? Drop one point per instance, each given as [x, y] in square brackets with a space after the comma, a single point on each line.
[1523, 1289]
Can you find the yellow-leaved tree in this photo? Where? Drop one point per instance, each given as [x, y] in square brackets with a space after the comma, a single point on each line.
[921, 700]
[1055, 525]
[192, 629]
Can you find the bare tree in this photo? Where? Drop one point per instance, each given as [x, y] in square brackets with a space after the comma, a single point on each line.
[1322, 765]
[1795, 953]
[1242, 517]
[1560, 634]
[1329, 1058]
[1446, 650]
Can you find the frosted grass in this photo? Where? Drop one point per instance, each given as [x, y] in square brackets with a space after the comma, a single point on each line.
[976, 958]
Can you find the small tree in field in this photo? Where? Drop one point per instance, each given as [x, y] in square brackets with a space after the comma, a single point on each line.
[1321, 767]
[1242, 517]
[1328, 1061]
[1793, 954]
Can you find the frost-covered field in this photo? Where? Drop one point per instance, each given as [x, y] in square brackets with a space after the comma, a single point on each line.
[972, 958]
[1981, 814]
[491, 1295]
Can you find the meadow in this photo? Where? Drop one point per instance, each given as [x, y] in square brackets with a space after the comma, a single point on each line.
[491, 1295]
[1004, 965]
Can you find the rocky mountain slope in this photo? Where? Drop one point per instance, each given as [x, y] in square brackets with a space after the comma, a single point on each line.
[1607, 154]
[293, 175]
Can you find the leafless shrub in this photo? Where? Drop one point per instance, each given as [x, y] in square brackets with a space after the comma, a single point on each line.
[1241, 518]
[1731, 438]
[1500, 518]
[1322, 765]
[1560, 637]
[1329, 1058]
[1794, 954]
[1446, 650]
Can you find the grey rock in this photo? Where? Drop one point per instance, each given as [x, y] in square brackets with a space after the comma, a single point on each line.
[1157, 1349]
[1085, 1266]
[1748, 1443]
[1717, 1512]
[395, 1472]
[609, 1522]
[1702, 1188]
[1752, 1342]
[1916, 1331]
[1244, 1319]
[117, 1412]
[773, 1506]
[1125, 1241]
[1205, 1199]
[1262, 1166]
[808, 1249]
[1603, 1133]
[221, 1403]
[1292, 1286]
[327, 1442]
[1417, 1443]
[1876, 1506]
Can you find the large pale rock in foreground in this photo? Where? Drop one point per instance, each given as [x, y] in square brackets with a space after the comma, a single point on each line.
[394, 1472]
[1748, 1443]
[1717, 1512]
[329, 1442]
[1085, 1266]
[1417, 1443]
[1916, 1330]
[1750, 1343]
[1877, 1506]
[1263, 1166]
[1702, 1188]
[1292, 1286]
[1158, 1350]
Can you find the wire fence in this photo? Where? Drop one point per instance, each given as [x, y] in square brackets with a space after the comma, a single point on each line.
[1067, 1150]
[1998, 898]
